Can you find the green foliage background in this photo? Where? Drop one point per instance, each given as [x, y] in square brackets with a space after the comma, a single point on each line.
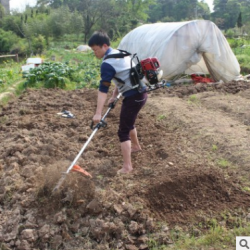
[54, 28]
[35, 29]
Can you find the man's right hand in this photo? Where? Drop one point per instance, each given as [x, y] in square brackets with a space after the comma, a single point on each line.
[111, 100]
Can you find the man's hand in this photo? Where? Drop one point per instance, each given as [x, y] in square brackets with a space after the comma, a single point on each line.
[97, 118]
[101, 99]
[111, 100]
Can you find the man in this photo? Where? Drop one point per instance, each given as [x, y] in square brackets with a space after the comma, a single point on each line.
[117, 69]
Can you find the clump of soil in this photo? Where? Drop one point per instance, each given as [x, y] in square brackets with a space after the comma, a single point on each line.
[175, 177]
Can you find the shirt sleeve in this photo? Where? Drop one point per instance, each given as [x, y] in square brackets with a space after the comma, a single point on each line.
[107, 74]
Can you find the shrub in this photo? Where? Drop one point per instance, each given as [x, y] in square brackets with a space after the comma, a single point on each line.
[229, 33]
[39, 44]
[234, 43]
[7, 39]
[243, 59]
[20, 47]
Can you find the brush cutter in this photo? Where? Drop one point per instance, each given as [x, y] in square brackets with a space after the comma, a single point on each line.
[77, 168]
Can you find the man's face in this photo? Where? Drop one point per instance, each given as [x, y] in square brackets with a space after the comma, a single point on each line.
[99, 51]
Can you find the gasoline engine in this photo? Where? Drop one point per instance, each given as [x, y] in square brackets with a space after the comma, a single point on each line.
[148, 73]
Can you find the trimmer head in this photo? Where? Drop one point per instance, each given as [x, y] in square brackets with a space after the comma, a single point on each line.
[77, 168]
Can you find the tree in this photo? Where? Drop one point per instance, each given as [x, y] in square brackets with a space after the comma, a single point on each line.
[76, 23]
[173, 10]
[227, 10]
[12, 23]
[203, 10]
[2, 12]
[59, 22]
[112, 15]
[7, 39]
[239, 21]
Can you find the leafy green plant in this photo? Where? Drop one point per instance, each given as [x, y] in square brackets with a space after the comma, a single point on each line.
[50, 74]
[88, 74]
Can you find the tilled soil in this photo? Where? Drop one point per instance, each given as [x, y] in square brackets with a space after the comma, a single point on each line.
[194, 167]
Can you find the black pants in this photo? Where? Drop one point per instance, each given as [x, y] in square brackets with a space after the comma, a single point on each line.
[129, 111]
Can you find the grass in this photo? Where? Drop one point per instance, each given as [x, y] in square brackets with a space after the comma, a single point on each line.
[70, 56]
[161, 117]
[247, 189]
[217, 237]
[244, 60]
[10, 72]
[193, 99]
[223, 163]
[214, 148]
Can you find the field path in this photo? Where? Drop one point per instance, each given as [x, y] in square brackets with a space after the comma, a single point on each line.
[212, 119]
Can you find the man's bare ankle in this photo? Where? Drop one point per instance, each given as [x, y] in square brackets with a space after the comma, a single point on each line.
[124, 170]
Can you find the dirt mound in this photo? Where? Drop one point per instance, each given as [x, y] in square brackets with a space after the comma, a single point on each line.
[182, 90]
[175, 199]
[177, 178]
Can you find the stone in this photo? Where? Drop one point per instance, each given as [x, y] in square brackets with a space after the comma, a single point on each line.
[142, 239]
[83, 48]
[44, 231]
[60, 217]
[133, 227]
[143, 247]
[248, 217]
[24, 245]
[131, 247]
[56, 242]
[94, 207]
[118, 208]
[29, 234]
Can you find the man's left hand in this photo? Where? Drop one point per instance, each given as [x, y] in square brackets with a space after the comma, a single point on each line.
[97, 118]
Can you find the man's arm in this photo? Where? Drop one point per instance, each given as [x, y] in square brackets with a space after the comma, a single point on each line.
[114, 95]
[115, 92]
[107, 74]
[101, 99]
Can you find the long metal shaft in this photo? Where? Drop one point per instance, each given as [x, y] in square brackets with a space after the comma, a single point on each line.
[81, 151]
[92, 135]
[99, 125]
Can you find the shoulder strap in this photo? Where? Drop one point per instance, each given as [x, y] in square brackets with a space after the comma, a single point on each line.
[122, 54]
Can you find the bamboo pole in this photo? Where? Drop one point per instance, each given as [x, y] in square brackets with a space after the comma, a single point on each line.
[11, 56]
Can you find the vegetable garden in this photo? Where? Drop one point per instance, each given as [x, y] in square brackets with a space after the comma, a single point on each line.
[190, 185]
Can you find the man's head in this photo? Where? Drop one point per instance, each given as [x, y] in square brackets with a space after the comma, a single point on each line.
[99, 43]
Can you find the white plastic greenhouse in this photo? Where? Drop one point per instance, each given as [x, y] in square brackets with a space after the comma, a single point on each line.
[196, 46]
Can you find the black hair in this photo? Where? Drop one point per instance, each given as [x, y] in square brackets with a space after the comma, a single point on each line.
[99, 38]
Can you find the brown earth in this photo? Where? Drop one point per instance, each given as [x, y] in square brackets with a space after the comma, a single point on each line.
[194, 167]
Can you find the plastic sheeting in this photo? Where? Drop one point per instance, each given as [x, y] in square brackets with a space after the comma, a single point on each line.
[196, 46]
